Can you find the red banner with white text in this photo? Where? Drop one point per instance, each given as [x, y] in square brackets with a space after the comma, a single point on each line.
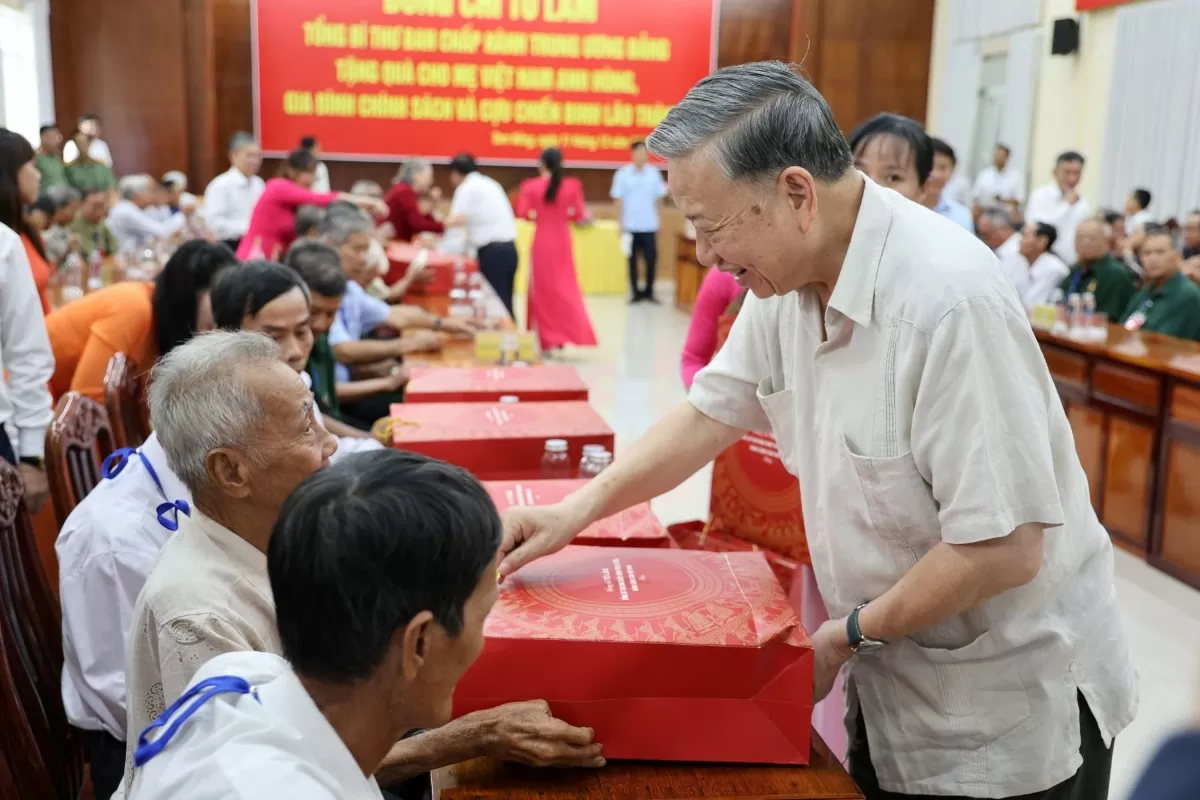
[502, 79]
[1093, 5]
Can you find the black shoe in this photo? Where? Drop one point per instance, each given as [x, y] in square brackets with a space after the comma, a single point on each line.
[637, 298]
[649, 298]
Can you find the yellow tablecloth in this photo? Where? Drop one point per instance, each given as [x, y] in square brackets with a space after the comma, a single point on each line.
[601, 267]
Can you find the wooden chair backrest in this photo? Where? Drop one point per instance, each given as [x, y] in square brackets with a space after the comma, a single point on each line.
[44, 755]
[124, 390]
[79, 440]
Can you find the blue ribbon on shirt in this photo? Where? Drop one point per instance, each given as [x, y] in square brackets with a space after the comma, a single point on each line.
[206, 690]
[168, 512]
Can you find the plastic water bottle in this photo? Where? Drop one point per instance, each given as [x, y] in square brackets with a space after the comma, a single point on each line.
[95, 267]
[149, 264]
[594, 463]
[1061, 323]
[556, 463]
[1075, 318]
[589, 450]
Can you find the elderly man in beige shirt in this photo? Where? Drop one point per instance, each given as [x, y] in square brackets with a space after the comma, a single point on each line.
[948, 517]
[238, 427]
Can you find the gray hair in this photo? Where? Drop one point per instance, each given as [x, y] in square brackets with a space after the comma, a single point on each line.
[367, 187]
[241, 139]
[342, 221]
[176, 179]
[409, 169]
[755, 120]
[998, 217]
[199, 400]
[131, 185]
[64, 195]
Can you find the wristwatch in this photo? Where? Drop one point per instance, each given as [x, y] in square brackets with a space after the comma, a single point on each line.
[860, 644]
[437, 323]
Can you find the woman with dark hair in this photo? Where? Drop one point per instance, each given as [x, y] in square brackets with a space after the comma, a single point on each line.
[19, 179]
[143, 320]
[895, 152]
[269, 298]
[273, 221]
[556, 309]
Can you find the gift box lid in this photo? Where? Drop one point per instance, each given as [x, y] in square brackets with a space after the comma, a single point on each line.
[440, 422]
[638, 522]
[641, 595]
[546, 377]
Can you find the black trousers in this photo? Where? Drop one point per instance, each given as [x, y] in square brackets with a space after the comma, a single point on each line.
[1089, 783]
[647, 245]
[107, 756]
[498, 263]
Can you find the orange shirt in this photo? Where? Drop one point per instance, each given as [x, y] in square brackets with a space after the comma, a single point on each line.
[86, 333]
[41, 272]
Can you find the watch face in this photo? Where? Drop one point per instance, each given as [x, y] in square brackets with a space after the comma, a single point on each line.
[868, 646]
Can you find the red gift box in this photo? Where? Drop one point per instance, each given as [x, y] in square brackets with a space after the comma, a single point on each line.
[543, 383]
[698, 536]
[755, 498]
[669, 655]
[497, 441]
[439, 265]
[634, 527]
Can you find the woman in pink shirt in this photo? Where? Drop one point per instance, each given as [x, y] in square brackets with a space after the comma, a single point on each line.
[273, 222]
[716, 293]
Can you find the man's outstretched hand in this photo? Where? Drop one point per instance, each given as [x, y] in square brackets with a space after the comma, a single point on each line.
[531, 532]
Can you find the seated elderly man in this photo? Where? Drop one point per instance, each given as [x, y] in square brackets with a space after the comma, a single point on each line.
[319, 267]
[1099, 273]
[413, 564]
[237, 426]
[133, 220]
[265, 297]
[349, 230]
[996, 229]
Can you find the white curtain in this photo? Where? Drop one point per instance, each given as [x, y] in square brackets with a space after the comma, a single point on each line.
[959, 104]
[1154, 108]
[1020, 90]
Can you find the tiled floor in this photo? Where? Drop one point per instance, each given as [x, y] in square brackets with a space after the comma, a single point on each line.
[634, 378]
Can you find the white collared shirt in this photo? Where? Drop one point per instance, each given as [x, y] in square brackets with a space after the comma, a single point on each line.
[487, 209]
[106, 549]
[271, 742]
[1047, 204]
[1011, 248]
[321, 181]
[26, 408]
[1138, 221]
[229, 201]
[98, 150]
[930, 416]
[992, 183]
[136, 228]
[1035, 283]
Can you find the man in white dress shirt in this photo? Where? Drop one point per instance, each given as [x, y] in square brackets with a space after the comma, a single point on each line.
[951, 529]
[1036, 272]
[321, 184]
[377, 624]
[230, 197]
[27, 364]
[996, 230]
[1058, 203]
[97, 149]
[134, 223]
[999, 181]
[482, 207]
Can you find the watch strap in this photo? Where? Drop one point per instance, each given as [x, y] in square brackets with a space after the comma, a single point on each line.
[853, 630]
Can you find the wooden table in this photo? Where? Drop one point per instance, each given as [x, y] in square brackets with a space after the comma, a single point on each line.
[483, 779]
[1134, 406]
[457, 352]
[689, 273]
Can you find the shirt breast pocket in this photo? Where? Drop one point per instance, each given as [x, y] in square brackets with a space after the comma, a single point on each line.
[898, 501]
[780, 408]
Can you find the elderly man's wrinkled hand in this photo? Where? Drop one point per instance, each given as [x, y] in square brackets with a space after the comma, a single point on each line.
[528, 734]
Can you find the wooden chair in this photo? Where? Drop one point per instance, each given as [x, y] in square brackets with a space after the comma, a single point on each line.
[42, 753]
[124, 390]
[77, 443]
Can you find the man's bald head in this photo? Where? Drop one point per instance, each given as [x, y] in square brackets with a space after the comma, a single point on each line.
[1091, 240]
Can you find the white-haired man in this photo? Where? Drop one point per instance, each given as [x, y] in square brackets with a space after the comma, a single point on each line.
[132, 220]
[238, 426]
[951, 530]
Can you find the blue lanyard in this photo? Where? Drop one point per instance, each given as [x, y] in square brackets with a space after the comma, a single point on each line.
[116, 462]
[206, 689]
[1075, 282]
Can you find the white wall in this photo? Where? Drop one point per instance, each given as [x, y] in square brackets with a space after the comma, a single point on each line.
[1068, 109]
[26, 84]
